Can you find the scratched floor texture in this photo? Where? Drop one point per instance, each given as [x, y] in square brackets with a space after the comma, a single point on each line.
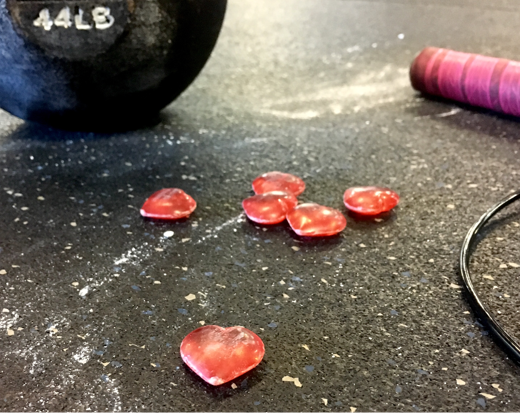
[92, 296]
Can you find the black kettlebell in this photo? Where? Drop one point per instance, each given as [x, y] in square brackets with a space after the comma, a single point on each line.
[86, 63]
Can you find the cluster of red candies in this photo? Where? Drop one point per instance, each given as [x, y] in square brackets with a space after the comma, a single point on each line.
[275, 201]
[219, 355]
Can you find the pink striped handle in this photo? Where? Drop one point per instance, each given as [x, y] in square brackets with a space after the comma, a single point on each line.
[478, 80]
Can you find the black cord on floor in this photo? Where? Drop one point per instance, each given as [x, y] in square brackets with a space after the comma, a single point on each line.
[509, 344]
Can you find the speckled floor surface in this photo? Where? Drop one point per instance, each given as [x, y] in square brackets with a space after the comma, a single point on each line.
[93, 296]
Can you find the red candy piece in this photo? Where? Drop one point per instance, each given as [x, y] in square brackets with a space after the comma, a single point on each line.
[278, 181]
[168, 203]
[313, 220]
[219, 355]
[269, 208]
[370, 200]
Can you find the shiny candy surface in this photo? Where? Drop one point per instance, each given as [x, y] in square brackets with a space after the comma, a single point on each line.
[168, 203]
[269, 208]
[313, 220]
[278, 181]
[370, 200]
[219, 355]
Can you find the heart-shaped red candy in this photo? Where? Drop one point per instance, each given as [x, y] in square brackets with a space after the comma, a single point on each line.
[168, 203]
[370, 200]
[313, 220]
[269, 208]
[278, 181]
[219, 355]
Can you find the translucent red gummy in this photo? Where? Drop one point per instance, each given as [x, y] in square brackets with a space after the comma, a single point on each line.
[219, 355]
[313, 220]
[168, 203]
[278, 181]
[370, 200]
[269, 208]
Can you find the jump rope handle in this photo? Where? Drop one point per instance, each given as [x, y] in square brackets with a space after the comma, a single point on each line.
[474, 79]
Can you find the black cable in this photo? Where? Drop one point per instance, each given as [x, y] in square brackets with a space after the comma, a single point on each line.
[509, 343]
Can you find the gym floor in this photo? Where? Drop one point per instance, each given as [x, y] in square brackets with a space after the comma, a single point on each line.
[93, 306]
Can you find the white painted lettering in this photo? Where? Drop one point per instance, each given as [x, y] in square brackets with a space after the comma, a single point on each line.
[80, 23]
[44, 20]
[102, 18]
